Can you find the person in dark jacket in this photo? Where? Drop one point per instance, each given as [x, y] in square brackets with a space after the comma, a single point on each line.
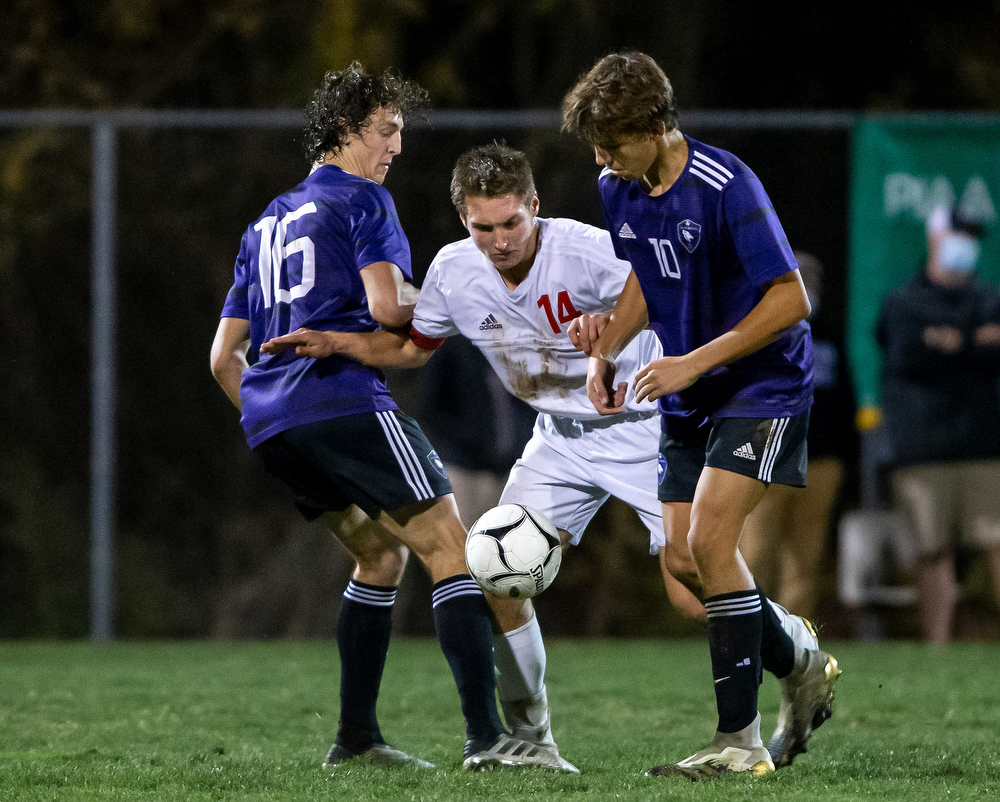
[940, 339]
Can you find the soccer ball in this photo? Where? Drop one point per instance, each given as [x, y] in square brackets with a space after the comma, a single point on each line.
[513, 550]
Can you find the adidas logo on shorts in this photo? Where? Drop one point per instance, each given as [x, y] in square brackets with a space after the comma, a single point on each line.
[745, 451]
[490, 323]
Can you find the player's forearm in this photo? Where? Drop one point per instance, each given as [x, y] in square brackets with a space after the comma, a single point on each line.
[382, 349]
[784, 305]
[628, 318]
[228, 357]
[228, 372]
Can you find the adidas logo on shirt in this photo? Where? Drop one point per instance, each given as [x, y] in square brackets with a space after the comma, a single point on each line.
[625, 232]
[490, 323]
[745, 451]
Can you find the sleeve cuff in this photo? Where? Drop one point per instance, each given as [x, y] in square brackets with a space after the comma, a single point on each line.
[427, 343]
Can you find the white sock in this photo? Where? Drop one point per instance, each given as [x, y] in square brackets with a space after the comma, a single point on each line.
[519, 656]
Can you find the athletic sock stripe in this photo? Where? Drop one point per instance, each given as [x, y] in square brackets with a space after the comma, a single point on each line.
[736, 602]
[772, 448]
[364, 595]
[730, 611]
[452, 590]
[745, 605]
[407, 460]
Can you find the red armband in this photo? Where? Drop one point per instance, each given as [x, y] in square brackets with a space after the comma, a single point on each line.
[427, 343]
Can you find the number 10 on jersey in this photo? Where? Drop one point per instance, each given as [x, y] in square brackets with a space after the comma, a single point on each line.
[666, 257]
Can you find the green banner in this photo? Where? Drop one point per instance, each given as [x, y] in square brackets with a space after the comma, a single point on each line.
[903, 167]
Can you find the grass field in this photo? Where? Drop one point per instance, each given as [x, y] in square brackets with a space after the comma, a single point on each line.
[252, 721]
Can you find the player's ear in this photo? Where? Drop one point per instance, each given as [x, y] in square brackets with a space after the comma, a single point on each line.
[533, 206]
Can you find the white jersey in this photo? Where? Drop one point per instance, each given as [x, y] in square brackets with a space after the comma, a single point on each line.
[522, 332]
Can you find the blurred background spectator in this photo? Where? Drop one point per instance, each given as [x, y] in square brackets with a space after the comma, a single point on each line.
[940, 337]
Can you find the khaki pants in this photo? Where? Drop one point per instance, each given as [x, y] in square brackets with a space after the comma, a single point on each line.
[950, 503]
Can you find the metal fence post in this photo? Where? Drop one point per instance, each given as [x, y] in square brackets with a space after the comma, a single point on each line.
[103, 379]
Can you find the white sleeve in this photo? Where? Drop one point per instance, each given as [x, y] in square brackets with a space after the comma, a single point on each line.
[430, 316]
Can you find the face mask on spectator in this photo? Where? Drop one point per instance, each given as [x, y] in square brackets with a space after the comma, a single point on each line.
[959, 253]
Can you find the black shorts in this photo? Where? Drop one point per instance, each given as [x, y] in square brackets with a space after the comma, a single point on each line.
[768, 449]
[377, 460]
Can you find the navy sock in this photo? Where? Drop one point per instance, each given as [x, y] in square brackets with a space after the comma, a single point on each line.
[734, 626]
[777, 649]
[363, 630]
[464, 629]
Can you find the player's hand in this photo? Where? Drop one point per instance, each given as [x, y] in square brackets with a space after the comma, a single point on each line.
[585, 330]
[663, 377]
[604, 395]
[306, 342]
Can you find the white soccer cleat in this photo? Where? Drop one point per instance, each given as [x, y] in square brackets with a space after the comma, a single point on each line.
[529, 720]
[741, 751]
[375, 755]
[806, 702]
[509, 751]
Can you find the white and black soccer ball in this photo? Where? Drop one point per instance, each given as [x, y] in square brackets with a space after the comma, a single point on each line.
[513, 550]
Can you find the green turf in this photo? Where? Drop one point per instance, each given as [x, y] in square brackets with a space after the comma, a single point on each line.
[252, 721]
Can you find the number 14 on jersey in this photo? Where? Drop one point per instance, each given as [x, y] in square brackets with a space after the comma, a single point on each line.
[564, 312]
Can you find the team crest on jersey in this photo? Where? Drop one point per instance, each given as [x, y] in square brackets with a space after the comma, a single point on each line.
[689, 234]
[435, 460]
[661, 469]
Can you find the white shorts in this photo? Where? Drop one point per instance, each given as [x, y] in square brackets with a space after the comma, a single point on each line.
[569, 469]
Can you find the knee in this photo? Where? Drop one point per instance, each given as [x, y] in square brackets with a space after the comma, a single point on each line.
[705, 548]
[714, 534]
[437, 537]
[509, 614]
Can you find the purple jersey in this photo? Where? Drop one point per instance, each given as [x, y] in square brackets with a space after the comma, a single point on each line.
[299, 266]
[702, 251]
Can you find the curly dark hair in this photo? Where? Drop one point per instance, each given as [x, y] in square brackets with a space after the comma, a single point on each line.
[491, 171]
[347, 99]
[624, 95]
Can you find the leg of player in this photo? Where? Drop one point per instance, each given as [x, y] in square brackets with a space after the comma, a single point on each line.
[680, 596]
[680, 574]
[433, 531]
[519, 654]
[789, 648]
[364, 627]
[721, 503]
